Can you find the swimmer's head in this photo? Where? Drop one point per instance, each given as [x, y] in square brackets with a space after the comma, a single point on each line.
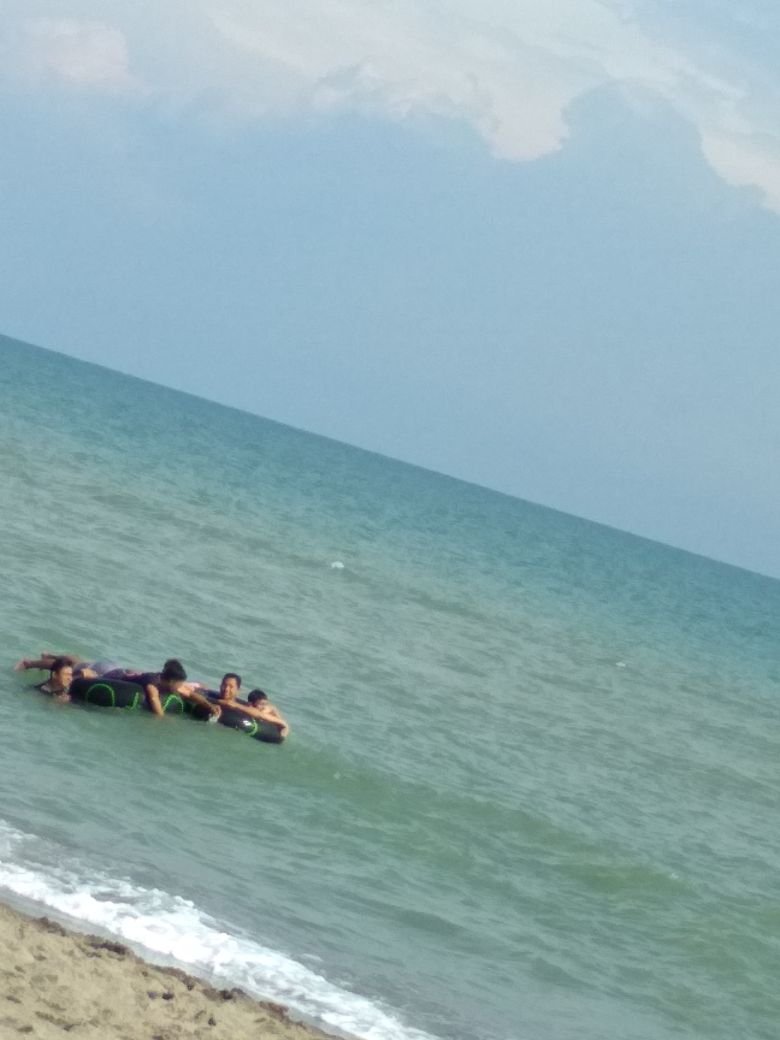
[173, 671]
[230, 685]
[257, 697]
[61, 671]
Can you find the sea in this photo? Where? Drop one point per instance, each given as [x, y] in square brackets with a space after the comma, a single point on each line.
[532, 783]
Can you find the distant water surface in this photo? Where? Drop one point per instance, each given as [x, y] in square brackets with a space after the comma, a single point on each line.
[531, 789]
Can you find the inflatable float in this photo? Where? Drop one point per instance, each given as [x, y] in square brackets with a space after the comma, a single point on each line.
[121, 693]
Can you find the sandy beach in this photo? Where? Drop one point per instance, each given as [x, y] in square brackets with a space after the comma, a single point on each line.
[58, 983]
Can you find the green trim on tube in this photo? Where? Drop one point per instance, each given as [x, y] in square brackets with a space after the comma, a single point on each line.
[101, 686]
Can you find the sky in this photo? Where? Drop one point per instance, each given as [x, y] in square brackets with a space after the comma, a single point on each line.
[532, 245]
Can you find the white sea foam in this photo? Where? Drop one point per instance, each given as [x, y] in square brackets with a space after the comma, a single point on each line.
[167, 928]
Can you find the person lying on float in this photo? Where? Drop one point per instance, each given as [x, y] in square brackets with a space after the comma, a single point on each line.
[259, 706]
[172, 679]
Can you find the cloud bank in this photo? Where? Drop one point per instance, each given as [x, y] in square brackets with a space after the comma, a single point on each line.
[86, 53]
[509, 69]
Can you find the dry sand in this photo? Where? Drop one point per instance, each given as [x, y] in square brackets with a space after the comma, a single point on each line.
[60, 984]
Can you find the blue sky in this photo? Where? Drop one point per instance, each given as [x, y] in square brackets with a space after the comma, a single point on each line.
[537, 249]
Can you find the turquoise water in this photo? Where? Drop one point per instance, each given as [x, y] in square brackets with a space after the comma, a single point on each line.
[532, 782]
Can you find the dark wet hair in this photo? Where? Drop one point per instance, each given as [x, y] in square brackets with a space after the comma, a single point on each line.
[232, 675]
[59, 663]
[173, 670]
[257, 695]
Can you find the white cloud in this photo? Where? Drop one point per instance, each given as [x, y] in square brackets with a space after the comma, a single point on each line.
[83, 53]
[409, 58]
[509, 68]
[749, 160]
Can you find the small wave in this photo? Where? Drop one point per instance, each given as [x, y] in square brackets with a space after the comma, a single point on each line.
[167, 928]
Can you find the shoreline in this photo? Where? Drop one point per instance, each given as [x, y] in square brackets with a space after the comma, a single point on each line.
[55, 980]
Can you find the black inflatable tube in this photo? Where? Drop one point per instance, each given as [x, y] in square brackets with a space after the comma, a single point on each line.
[234, 718]
[260, 729]
[120, 693]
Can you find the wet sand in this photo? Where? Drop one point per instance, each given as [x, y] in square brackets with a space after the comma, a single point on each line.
[55, 983]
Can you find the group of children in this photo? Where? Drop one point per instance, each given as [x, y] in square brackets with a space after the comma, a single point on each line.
[172, 678]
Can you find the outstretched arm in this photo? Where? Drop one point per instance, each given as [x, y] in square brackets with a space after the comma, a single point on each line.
[153, 699]
[189, 687]
[274, 715]
[204, 702]
[266, 713]
[45, 661]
